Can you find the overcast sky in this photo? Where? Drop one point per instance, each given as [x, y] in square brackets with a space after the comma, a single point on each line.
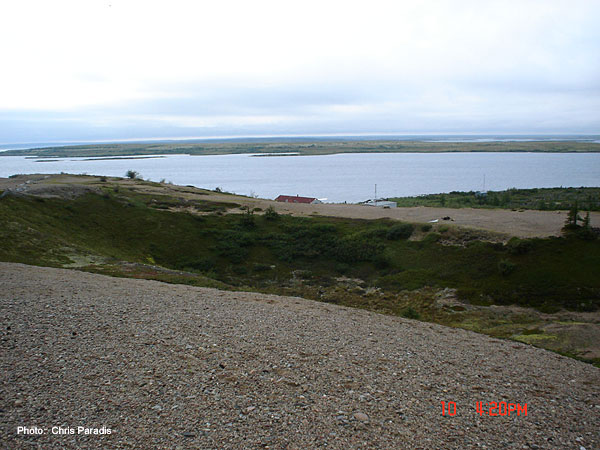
[123, 69]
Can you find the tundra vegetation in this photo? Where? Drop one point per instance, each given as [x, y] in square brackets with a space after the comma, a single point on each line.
[545, 199]
[303, 147]
[380, 265]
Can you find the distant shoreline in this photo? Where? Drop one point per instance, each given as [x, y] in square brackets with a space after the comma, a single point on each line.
[314, 147]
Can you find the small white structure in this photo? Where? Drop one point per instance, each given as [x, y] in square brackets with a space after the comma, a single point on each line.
[381, 203]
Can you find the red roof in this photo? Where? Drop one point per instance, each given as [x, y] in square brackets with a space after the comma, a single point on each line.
[294, 199]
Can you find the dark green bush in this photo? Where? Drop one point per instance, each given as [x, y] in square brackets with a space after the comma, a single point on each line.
[247, 220]
[202, 264]
[234, 245]
[518, 246]
[426, 227]
[410, 313]
[260, 267]
[240, 270]
[374, 233]
[352, 250]
[324, 228]
[400, 231]
[342, 268]
[132, 174]
[382, 261]
[271, 214]
[506, 267]
[431, 238]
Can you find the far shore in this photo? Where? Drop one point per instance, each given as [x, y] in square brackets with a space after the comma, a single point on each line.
[295, 148]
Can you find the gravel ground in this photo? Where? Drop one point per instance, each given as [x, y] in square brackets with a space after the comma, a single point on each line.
[178, 367]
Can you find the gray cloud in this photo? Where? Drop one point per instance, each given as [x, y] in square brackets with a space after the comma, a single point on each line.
[462, 67]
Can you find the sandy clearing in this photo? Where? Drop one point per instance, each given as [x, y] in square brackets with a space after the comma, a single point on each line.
[527, 223]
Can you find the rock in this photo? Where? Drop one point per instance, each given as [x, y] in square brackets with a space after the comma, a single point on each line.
[361, 416]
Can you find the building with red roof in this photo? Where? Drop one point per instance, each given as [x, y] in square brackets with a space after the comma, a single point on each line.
[297, 199]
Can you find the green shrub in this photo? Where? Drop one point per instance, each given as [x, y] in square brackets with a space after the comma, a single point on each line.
[431, 238]
[342, 268]
[300, 241]
[305, 274]
[201, 264]
[234, 245]
[518, 246]
[240, 270]
[324, 228]
[352, 250]
[400, 231]
[132, 174]
[410, 313]
[506, 267]
[260, 267]
[426, 227]
[374, 233]
[247, 220]
[271, 214]
[382, 261]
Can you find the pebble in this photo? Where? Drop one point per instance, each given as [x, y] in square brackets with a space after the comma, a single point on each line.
[361, 416]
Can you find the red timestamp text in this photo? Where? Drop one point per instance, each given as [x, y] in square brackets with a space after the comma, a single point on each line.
[488, 408]
[500, 408]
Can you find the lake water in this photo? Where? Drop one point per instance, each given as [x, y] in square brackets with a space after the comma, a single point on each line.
[341, 177]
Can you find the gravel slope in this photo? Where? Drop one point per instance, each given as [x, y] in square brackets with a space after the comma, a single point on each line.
[166, 367]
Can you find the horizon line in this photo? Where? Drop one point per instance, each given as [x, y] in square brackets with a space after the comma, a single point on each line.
[294, 136]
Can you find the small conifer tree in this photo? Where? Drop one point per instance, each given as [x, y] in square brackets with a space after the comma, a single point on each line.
[586, 221]
[572, 218]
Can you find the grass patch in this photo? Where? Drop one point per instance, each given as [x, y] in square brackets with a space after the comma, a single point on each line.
[533, 338]
[587, 198]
